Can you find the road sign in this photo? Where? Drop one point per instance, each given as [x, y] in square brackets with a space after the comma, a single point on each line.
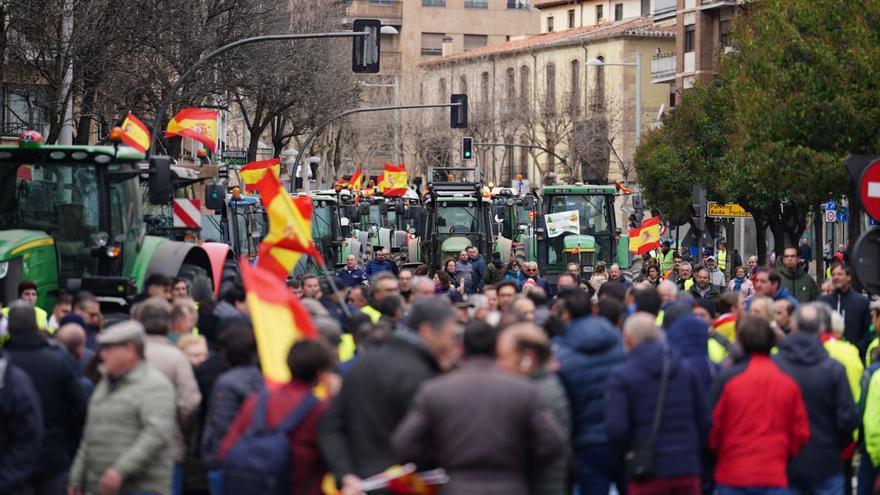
[843, 214]
[187, 214]
[235, 158]
[727, 210]
[869, 189]
[830, 216]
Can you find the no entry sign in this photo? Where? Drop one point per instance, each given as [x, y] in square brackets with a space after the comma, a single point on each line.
[869, 188]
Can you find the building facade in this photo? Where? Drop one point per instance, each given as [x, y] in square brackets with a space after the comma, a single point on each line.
[559, 15]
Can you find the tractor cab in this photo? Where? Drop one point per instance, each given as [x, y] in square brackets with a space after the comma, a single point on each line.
[513, 217]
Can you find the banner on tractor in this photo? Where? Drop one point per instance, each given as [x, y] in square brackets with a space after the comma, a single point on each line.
[562, 222]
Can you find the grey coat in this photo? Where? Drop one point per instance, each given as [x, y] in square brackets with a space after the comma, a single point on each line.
[552, 479]
[130, 428]
[485, 427]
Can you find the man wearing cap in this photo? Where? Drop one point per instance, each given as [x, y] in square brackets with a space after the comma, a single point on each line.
[716, 276]
[666, 257]
[128, 441]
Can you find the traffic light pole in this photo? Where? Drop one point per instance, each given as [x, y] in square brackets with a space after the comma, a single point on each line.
[317, 130]
[166, 101]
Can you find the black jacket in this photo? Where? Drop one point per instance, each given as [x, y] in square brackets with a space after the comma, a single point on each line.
[62, 397]
[856, 314]
[711, 297]
[355, 433]
[833, 413]
[21, 426]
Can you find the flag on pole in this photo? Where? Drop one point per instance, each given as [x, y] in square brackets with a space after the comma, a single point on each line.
[645, 238]
[252, 172]
[395, 180]
[290, 228]
[357, 180]
[135, 133]
[278, 318]
[195, 123]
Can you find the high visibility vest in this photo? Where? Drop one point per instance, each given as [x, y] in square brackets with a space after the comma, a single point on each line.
[373, 313]
[42, 319]
[722, 260]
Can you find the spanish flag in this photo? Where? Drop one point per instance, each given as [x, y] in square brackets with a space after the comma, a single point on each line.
[357, 180]
[290, 228]
[195, 123]
[394, 179]
[278, 318]
[380, 182]
[135, 133]
[252, 172]
[646, 237]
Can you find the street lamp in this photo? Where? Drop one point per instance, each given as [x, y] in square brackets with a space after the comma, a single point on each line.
[638, 65]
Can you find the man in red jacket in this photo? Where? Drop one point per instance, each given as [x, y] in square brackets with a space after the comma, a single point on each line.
[759, 418]
[309, 362]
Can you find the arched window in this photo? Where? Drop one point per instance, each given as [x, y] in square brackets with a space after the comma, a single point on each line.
[574, 100]
[524, 93]
[484, 87]
[550, 93]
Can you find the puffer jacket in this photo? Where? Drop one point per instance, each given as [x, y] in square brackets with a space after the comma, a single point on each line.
[689, 335]
[130, 428]
[799, 284]
[227, 396]
[587, 352]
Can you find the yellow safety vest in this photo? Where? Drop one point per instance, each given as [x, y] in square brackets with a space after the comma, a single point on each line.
[42, 319]
[722, 260]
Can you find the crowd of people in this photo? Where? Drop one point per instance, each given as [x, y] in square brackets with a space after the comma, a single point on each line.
[675, 381]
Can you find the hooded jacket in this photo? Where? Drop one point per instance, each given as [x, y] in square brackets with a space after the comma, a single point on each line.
[799, 284]
[587, 352]
[830, 406]
[633, 391]
[689, 336]
[856, 315]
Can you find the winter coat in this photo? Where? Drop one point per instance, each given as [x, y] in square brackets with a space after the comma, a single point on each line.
[759, 423]
[479, 269]
[21, 427]
[485, 427]
[633, 391]
[710, 297]
[830, 406]
[374, 267]
[587, 352]
[800, 284]
[552, 479]
[518, 276]
[465, 272]
[352, 278]
[307, 468]
[355, 434]
[716, 278]
[856, 315]
[163, 355]
[130, 428]
[227, 396]
[597, 280]
[746, 288]
[61, 396]
[689, 336]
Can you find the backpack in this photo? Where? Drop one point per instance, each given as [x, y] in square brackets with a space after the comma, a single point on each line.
[259, 462]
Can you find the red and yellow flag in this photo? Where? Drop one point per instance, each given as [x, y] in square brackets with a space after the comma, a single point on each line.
[252, 172]
[357, 180]
[278, 318]
[290, 228]
[135, 133]
[646, 237]
[195, 123]
[393, 181]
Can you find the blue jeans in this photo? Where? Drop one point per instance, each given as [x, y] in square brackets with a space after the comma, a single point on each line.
[215, 482]
[177, 482]
[597, 468]
[828, 486]
[733, 490]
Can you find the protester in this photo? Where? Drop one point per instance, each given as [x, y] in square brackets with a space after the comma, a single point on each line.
[689, 337]
[531, 269]
[615, 275]
[768, 283]
[514, 274]
[685, 279]
[195, 348]
[63, 307]
[128, 444]
[600, 276]
[384, 381]
[379, 264]
[184, 318]
[853, 306]
[357, 299]
[27, 293]
[506, 293]
[653, 386]
[478, 268]
[484, 426]
[703, 290]
[405, 279]
[180, 288]
[21, 428]
[62, 398]
[311, 287]
[741, 285]
[784, 310]
[87, 307]
[716, 275]
[794, 279]
[351, 273]
[72, 337]
[381, 285]
[759, 420]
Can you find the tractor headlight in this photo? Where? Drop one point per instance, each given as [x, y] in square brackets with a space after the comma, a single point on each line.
[4, 268]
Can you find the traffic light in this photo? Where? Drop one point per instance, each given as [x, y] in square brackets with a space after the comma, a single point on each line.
[458, 115]
[467, 148]
[365, 49]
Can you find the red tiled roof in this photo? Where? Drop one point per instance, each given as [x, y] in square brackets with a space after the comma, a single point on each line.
[638, 27]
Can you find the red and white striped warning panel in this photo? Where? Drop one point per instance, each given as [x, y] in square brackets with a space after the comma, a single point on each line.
[187, 214]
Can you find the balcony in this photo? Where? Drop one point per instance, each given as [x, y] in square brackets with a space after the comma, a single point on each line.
[16, 128]
[663, 68]
[518, 4]
[433, 3]
[664, 9]
[690, 62]
[717, 4]
[388, 11]
[432, 52]
[476, 4]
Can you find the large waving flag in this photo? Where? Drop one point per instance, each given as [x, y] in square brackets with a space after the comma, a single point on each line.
[645, 238]
[252, 172]
[290, 228]
[195, 123]
[278, 318]
[357, 180]
[135, 133]
[394, 179]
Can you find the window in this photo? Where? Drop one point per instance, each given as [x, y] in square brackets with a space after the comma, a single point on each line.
[550, 101]
[575, 85]
[472, 41]
[571, 19]
[599, 13]
[725, 26]
[484, 87]
[550, 24]
[462, 85]
[433, 3]
[511, 85]
[432, 43]
[22, 109]
[524, 93]
[646, 8]
[618, 11]
[689, 38]
[476, 4]
[518, 4]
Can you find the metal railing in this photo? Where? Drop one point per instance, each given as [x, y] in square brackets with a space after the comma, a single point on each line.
[432, 52]
[663, 7]
[16, 128]
[518, 4]
[433, 3]
[663, 66]
[476, 4]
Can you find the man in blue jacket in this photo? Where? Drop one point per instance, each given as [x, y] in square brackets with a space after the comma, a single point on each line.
[21, 427]
[351, 273]
[587, 351]
[478, 270]
[380, 263]
[633, 392]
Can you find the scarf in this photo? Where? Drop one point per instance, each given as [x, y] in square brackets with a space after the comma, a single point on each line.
[738, 283]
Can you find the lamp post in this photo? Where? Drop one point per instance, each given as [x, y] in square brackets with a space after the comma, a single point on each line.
[638, 65]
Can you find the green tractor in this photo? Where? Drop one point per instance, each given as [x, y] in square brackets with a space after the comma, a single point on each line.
[598, 238]
[392, 223]
[514, 218]
[330, 236]
[71, 218]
